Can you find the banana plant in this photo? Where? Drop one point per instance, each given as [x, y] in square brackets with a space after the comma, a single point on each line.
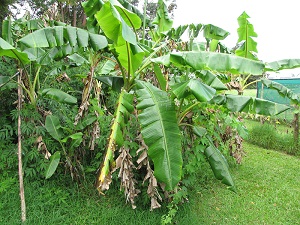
[159, 117]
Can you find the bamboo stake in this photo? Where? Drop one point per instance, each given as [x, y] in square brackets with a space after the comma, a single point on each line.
[22, 196]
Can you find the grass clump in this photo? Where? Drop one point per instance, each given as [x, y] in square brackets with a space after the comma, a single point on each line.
[276, 137]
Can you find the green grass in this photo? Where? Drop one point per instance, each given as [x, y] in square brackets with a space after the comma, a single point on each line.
[268, 185]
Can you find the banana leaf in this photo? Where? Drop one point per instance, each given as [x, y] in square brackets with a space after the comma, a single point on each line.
[8, 50]
[60, 36]
[115, 26]
[220, 62]
[214, 32]
[283, 64]
[116, 139]
[53, 127]
[201, 91]
[54, 161]
[219, 166]
[211, 79]
[160, 132]
[246, 33]
[238, 103]
[59, 96]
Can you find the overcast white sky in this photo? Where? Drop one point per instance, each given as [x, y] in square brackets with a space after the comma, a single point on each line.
[277, 23]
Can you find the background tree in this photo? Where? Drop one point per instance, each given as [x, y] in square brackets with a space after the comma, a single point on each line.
[5, 10]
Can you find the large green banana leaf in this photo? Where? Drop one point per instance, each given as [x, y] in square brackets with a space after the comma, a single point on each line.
[282, 90]
[8, 50]
[53, 127]
[246, 33]
[117, 23]
[60, 36]
[160, 132]
[219, 166]
[116, 139]
[132, 8]
[220, 62]
[238, 103]
[59, 96]
[201, 91]
[115, 26]
[283, 64]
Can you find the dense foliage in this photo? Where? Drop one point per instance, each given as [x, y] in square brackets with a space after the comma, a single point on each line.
[127, 94]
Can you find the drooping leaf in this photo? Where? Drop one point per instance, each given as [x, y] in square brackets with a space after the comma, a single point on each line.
[283, 64]
[116, 139]
[108, 66]
[59, 96]
[219, 166]
[199, 131]
[213, 44]
[202, 92]
[282, 90]
[246, 33]
[54, 161]
[160, 132]
[53, 127]
[8, 50]
[237, 103]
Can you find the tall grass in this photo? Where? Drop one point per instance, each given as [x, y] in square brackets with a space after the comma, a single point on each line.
[270, 136]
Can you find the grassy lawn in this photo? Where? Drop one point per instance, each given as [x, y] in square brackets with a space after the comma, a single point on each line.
[268, 192]
[268, 185]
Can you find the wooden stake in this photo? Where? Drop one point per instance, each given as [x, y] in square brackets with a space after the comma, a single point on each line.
[22, 196]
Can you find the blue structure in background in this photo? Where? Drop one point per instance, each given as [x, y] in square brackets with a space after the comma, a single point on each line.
[273, 95]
